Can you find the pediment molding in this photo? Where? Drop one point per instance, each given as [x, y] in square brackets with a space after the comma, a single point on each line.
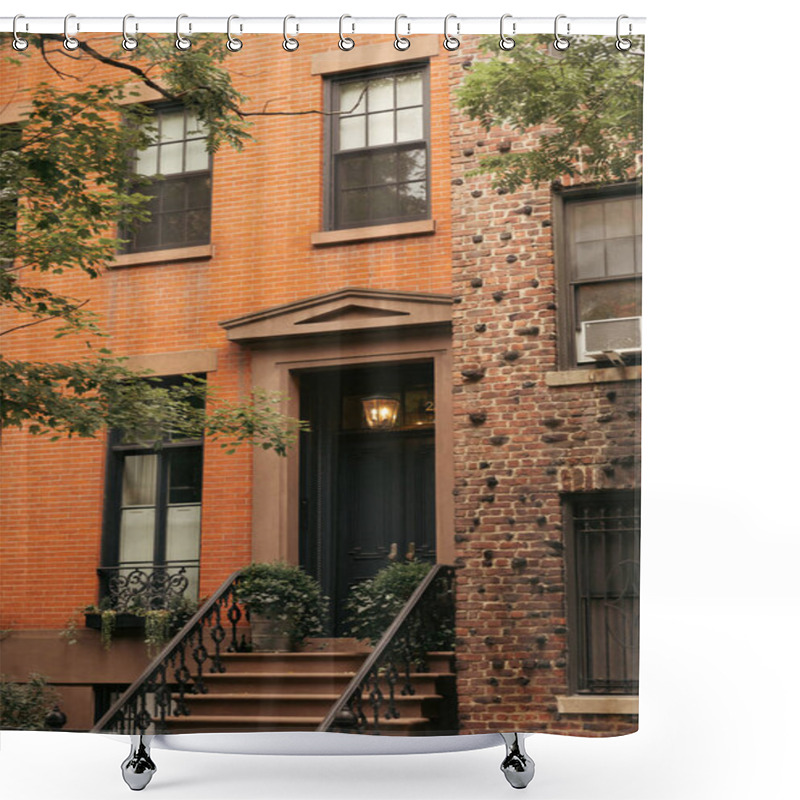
[348, 310]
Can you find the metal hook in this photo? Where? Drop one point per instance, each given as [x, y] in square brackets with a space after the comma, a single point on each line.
[559, 43]
[181, 42]
[400, 42]
[233, 44]
[345, 42]
[451, 42]
[70, 42]
[506, 42]
[289, 44]
[623, 45]
[128, 42]
[18, 43]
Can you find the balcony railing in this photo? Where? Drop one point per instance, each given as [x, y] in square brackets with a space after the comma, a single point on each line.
[144, 586]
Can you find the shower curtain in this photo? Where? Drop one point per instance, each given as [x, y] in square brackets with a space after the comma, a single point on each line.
[398, 279]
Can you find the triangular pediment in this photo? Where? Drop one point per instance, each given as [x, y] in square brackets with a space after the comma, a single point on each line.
[347, 310]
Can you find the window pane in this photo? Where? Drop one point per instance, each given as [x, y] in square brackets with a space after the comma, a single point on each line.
[198, 191]
[619, 217]
[354, 172]
[409, 124]
[349, 95]
[351, 133]
[620, 256]
[197, 157]
[587, 222]
[139, 480]
[195, 129]
[198, 225]
[589, 260]
[610, 300]
[146, 161]
[380, 94]
[173, 195]
[183, 533]
[171, 126]
[381, 128]
[173, 228]
[413, 198]
[354, 207]
[137, 534]
[409, 89]
[185, 475]
[383, 202]
[384, 167]
[411, 165]
[171, 159]
[146, 235]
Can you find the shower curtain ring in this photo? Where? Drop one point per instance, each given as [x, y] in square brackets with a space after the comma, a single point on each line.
[506, 42]
[345, 42]
[233, 44]
[623, 45]
[181, 42]
[400, 42]
[128, 42]
[289, 44]
[70, 42]
[18, 43]
[451, 42]
[559, 42]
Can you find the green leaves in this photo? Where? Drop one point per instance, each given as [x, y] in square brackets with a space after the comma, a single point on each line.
[582, 111]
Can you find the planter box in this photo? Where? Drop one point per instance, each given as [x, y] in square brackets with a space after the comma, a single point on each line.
[124, 620]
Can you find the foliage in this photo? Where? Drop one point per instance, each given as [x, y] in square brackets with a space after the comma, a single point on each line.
[287, 593]
[161, 624]
[66, 189]
[375, 603]
[25, 706]
[108, 624]
[587, 100]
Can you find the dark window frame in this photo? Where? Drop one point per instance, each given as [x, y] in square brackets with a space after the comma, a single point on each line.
[113, 499]
[566, 316]
[333, 156]
[158, 185]
[581, 678]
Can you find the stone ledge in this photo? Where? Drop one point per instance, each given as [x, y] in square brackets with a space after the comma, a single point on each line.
[575, 377]
[371, 232]
[199, 253]
[598, 704]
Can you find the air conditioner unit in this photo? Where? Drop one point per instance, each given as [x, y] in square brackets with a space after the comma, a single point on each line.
[607, 339]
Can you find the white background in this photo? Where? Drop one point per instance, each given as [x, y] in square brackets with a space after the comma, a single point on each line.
[720, 605]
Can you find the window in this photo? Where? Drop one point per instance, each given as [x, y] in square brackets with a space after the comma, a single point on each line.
[151, 549]
[603, 572]
[378, 170]
[180, 168]
[602, 276]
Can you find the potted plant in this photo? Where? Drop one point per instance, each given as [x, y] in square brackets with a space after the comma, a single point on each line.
[285, 605]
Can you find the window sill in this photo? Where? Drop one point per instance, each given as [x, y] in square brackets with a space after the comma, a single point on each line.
[350, 235]
[575, 377]
[198, 253]
[598, 704]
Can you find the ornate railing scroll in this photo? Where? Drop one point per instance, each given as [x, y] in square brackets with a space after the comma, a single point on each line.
[178, 670]
[424, 624]
[146, 587]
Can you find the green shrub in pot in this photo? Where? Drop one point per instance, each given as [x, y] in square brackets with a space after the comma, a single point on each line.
[285, 603]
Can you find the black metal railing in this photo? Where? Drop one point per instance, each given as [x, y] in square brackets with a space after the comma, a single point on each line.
[146, 586]
[425, 623]
[178, 670]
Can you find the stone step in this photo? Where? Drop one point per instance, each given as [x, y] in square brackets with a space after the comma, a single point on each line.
[298, 705]
[301, 662]
[268, 724]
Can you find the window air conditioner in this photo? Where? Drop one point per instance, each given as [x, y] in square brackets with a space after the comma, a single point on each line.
[608, 339]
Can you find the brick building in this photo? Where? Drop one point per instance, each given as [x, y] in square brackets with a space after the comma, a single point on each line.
[363, 262]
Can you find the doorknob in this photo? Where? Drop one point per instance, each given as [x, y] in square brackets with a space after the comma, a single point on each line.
[392, 552]
[412, 551]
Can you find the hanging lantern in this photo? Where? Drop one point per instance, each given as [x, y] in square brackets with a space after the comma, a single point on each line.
[380, 412]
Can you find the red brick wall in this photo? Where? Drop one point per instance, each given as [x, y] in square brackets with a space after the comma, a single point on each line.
[267, 201]
[519, 444]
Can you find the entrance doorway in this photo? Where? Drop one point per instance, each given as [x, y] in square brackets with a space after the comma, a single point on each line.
[367, 494]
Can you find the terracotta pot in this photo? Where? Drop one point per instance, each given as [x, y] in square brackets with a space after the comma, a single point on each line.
[269, 635]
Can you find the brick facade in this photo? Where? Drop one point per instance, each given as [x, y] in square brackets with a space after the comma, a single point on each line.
[520, 445]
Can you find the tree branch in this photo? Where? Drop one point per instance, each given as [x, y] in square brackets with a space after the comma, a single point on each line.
[39, 321]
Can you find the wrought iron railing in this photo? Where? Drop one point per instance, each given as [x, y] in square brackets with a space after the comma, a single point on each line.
[178, 670]
[147, 587]
[425, 623]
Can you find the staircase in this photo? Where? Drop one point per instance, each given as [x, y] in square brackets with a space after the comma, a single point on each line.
[294, 692]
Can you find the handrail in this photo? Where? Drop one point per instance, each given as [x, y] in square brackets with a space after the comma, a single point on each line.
[159, 662]
[375, 657]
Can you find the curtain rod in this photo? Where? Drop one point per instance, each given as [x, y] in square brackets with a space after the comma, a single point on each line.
[407, 25]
